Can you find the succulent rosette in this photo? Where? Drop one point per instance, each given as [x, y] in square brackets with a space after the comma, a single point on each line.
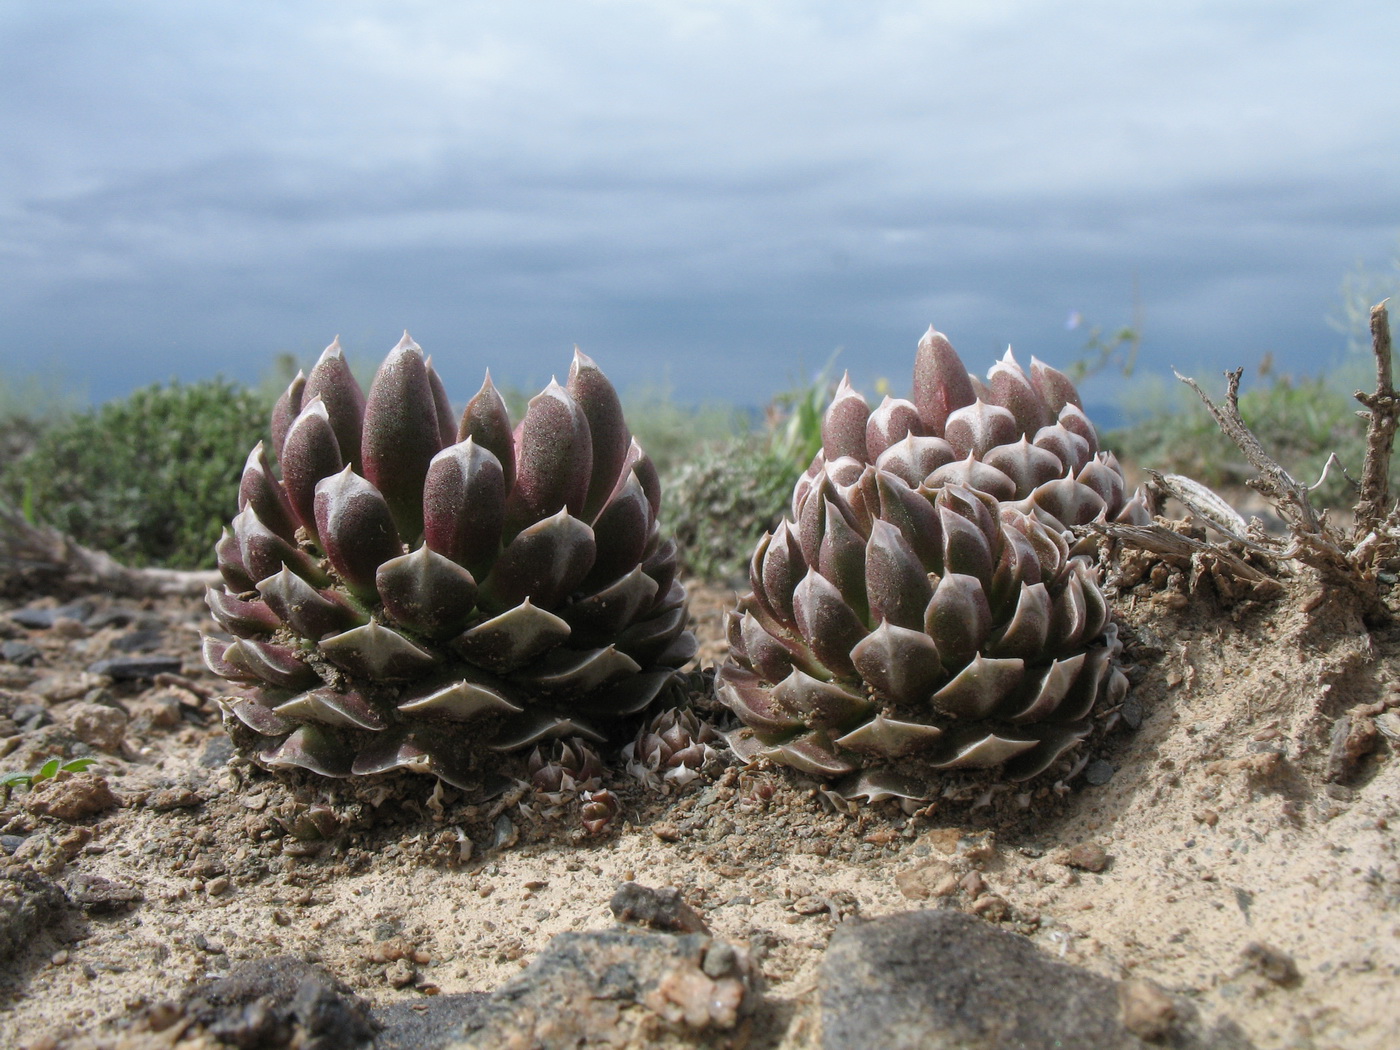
[927, 606]
[410, 590]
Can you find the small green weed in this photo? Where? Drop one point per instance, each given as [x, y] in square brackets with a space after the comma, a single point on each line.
[47, 771]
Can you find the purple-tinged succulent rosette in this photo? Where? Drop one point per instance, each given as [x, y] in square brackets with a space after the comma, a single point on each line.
[413, 590]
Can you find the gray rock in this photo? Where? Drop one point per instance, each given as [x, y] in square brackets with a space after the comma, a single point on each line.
[427, 1024]
[130, 668]
[42, 619]
[662, 909]
[21, 654]
[943, 980]
[619, 987]
[28, 904]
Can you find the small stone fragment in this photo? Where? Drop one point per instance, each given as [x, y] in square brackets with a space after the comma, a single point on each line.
[1087, 856]
[662, 909]
[1098, 772]
[132, 668]
[100, 896]
[98, 726]
[1148, 1012]
[71, 797]
[933, 878]
[1275, 965]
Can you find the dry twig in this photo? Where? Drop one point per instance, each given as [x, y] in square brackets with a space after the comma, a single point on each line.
[1374, 504]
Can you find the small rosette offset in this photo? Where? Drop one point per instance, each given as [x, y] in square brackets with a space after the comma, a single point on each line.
[415, 589]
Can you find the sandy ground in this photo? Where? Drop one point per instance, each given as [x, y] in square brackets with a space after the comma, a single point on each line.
[1241, 851]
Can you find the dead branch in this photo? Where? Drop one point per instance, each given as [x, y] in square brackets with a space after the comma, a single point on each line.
[37, 551]
[1374, 503]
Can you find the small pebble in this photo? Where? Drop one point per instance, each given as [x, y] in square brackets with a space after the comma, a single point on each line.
[1087, 856]
[1098, 772]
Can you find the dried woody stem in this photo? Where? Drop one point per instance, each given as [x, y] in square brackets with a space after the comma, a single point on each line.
[1341, 563]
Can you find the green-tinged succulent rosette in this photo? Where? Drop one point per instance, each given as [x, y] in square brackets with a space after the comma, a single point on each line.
[416, 591]
[927, 606]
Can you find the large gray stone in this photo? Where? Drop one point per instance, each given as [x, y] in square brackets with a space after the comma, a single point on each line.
[943, 980]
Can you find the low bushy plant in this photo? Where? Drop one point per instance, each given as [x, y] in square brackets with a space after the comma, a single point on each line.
[150, 478]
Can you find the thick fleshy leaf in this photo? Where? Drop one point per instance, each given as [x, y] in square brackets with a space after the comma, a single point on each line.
[287, 408]
[1069, 615]
[913, 514]
[662, 565]
[275, 664]
[240, 617]
[1050, 691]
[375, 652]
[554, 460]
[1054, 387]
[1012, 389]
[1073, 419]
[681, 650]
[639, 463]
[841, 559]
[843, 426]
[606, 612]
[312, 747]
[1053, 741]
[310, 454]
[487, 423]
[890, 738]
[1051, 551]
[356, 528]
[1016, 566]
[813, 753]
[256, 716]
[427, 593]
[981, 687]
[979, 428]
[512, 639]
[257, 488]
[1107, 482]
[913, 458]
[973, 473]
[401, 434]
[958, 619]
[262, 552]
[567, 672]
[620, 532]
[896, 585]
[611, 439]
[630, 696]
[965, 547]
[310, 612]
[977, 750]
[1095, 606]
[1026, 465]
[749, 697]
[899, 664]
[811, 519]
[1024, 635]
[828, 625]
[460, 701]
[333, 382]
[764, 653]
[545, 562]
[1068, 447]
[647, 640]
[536, 724]
[1068, 502]
[1137, 511]
[893, 420]
[941, 383]
[447, 424]
[776, 575]
[818, 704]
[349, 710]
[228, 555]
[464, 505]
[401, 749]
[212, 652]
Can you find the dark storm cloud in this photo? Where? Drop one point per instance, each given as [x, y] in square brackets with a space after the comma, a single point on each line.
[711, 194]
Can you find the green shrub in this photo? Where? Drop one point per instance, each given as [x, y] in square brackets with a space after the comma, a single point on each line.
[149, 479]
[720, 502]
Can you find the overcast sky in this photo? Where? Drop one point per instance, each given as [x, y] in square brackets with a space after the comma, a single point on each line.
[713, 194]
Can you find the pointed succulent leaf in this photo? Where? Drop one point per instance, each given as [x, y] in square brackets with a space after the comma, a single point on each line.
[275, 664]
[1012, 389]
[1016, 566]
[811, 521]
[447, 423]
[463, 505]
[913, 514]
[427, 593]
[401, 434]
[748, 696]
[896, 585]
[630, 696]
[228, 555]
[1073, 419]
[350, 710]
[263, 553]
[978, 750]
[774, 573]
[1054, 684]
[257, 488]
[611, 439]
[1068, 502]
[1136, 511]
[941, 382]
[648, 639]
[1106, 481]
[1026, 465]
[1069, 615]
[606, 612]
[333, 382]
[843, 426]
[681, 650]
[554, 460]
[1024, 635]
[818, 704]
[893, 420]
[310, 612]
[239, 617]
[375, 652]
[914, 458]
[212, 652]
[973, 473]
[1054, 387]
[965, 547]
[460, 701]
[566, 671]
[512, 639]
[958, 619]
[620, 532]
[1051, 551]
[841, 559]
[312, 747]
[256, 716]
[639, 463]
[545, 562]
[310, 454]
[356, 527]
[899, 664]
[979, 428]
[1084, 692]
[981, 687]
[1095, 606]
[813, 753]
[487, 423]
[287, 408]
[535, 725]
[1053, 740]
[764, 654]
[828, 625]
[1068, 447]
[890, 738]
